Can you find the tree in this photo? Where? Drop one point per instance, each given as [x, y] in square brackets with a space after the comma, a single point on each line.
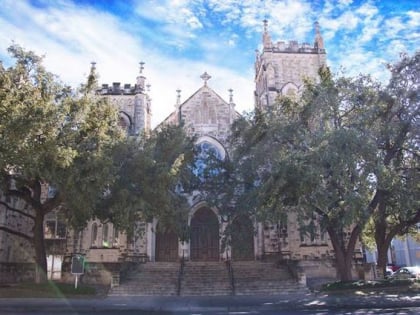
[395, 129]
[312, 156]
[51, 137]
[152, 180]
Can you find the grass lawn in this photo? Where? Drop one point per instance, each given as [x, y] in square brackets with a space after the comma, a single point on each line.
[46, 290]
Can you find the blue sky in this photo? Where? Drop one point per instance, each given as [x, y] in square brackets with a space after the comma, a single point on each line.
[179, 39]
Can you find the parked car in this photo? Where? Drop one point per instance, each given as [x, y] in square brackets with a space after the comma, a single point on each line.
[388, 272]
[393, 267]
[412, 272]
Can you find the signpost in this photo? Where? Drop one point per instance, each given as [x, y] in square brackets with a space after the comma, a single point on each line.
[77, 266]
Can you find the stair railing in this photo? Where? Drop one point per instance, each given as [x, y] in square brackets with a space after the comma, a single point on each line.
[230, 273]
[180, 274]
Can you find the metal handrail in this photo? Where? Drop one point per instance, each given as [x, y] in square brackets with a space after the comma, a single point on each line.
[180, 274]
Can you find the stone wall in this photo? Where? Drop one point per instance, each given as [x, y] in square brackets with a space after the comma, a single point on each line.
[16, 272]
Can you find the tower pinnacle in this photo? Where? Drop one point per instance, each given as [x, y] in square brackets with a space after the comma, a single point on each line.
[319, 41]
[266, 36]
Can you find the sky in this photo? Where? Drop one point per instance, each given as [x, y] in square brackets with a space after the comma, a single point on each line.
[178, 40]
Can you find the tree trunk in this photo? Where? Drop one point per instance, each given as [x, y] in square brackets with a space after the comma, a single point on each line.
[344, 264]
[343, 256]
[382, 259]
[39, 245]
[381, 239]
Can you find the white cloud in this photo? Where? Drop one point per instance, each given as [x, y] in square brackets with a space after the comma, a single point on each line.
[215, 31]
[414, 20]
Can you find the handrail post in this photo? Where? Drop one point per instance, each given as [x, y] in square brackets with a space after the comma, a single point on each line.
[180, 274]
[230, 273]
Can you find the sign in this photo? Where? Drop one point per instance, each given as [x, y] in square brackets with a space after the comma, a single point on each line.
[77, 264]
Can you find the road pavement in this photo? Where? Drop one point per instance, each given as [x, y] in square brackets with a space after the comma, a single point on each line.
[307, 303]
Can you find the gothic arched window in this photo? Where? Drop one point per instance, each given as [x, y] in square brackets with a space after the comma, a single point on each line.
[207, 160]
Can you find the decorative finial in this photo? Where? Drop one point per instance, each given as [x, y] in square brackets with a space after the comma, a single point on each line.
[93, 65]
[316, 26]
[141, 66]
[265, 25]
[205, 77]
[178, 97]
[148, 87]
[230, 95]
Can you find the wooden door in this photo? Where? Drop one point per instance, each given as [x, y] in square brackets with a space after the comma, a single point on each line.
[242, 239]
[204, 236]
[166, 245]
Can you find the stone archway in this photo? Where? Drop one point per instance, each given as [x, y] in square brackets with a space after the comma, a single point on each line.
[204, 244]
[242, 239]
[166, 245]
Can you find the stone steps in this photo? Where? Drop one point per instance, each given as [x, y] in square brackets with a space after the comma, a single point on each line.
[205, 278]
[263, 278]
[152, 278]
[208, 278]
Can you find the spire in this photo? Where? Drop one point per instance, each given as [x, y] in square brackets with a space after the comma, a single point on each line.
[205, 77]
[319, 41]
[266, 36]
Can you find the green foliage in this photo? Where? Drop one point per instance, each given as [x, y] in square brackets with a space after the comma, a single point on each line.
[314, 156]
[52, 136]
[150, 180]
[395, 129]
[343, 155]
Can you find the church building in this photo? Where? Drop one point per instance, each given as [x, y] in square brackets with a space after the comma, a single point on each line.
[280, 69]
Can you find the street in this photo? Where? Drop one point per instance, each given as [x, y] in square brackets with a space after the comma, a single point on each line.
[303, 304]
[385, 311]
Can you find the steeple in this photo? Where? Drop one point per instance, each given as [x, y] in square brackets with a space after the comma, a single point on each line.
[319, 41]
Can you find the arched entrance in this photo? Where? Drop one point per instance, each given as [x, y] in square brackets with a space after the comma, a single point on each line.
[204, 235]
[166, 245]
[242, 239]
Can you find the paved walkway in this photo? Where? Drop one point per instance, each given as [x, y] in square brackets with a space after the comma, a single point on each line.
[219, 303]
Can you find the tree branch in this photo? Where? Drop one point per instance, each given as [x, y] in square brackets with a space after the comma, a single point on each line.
[21, 212]
[17, 233]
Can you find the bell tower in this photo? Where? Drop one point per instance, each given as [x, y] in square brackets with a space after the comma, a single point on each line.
[281, 67]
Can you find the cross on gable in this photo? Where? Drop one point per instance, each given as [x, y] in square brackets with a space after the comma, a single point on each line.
[205, 77]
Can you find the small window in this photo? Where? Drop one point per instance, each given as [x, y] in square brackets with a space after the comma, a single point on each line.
[115, 242]
[94, 239]
[105, 236]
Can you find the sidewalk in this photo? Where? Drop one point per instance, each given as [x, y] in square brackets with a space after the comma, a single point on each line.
[217, 303]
